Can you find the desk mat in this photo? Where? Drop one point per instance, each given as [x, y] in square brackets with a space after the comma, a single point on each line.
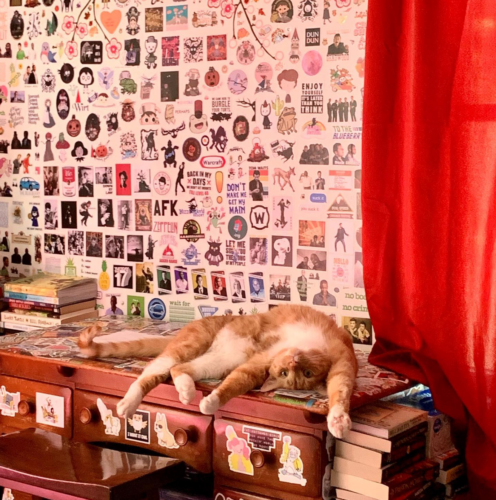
[59, 345]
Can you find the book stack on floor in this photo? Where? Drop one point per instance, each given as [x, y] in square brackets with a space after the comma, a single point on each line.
[440, 447]
[384, 456]
[47, 300]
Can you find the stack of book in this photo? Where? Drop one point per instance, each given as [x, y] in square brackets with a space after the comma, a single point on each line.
[47, 300]
[383, 456]
[452, 473]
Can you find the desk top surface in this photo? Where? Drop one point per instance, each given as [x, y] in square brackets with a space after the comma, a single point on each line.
[59, 345]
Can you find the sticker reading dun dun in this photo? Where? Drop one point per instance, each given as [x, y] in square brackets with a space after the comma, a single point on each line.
[112, 424]
[292, 470]
[239, 459]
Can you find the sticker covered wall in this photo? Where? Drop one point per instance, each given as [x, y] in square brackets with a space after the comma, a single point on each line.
[204, 152]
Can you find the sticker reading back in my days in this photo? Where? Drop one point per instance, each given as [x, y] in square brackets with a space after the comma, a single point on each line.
[50, 410]
[261, 439]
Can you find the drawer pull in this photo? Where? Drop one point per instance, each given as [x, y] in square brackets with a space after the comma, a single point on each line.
[66, 371]
[257, 459]
[181, 436]
[25, 408]
[86, 416]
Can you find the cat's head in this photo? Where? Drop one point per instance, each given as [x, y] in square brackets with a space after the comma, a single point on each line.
[296, 369]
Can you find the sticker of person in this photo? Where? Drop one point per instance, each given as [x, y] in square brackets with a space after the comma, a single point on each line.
[292, 470]
[151, 45]
[239, 459]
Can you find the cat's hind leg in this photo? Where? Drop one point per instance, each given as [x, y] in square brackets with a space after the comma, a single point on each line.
[192, 341]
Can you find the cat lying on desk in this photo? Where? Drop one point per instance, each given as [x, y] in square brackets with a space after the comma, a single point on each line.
[289, 347]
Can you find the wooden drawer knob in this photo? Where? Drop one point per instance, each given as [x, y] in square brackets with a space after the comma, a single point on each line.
[181, 436]
[66, 371]
[257, 459]
[25, 408]
[86, 416]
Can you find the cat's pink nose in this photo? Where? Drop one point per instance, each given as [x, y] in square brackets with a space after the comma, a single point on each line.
[293, 362]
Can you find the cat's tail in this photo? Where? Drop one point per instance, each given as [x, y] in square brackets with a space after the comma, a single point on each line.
[151, 346]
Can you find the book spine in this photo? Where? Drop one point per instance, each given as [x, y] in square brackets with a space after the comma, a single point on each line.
[407, 425]
[29, 305]
[19, 328]
[398, 453]
[400, 465]
[413, 476]
[46, 292]
[34, 298]
[35, 313]
[447, 476]
[23, 319]
[408, 484]
[408, 437]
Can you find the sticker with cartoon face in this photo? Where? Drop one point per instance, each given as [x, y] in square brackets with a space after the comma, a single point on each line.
[212, 78]
[138, 427]
[162, 183]
[198, 122]
[292, 470]
[74, 126]
[165, 437]
[281, 11]
[149, 114]
[86, 78]
[239, 458]
[66, 73]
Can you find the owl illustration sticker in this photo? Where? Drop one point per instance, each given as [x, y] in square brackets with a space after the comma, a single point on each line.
[138, 427]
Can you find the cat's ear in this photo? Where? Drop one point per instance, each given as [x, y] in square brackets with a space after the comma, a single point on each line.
[269, 385]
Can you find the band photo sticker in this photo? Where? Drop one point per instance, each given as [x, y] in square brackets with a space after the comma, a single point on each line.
[311, 233]
[280, 287]
[138, 427]
[125, 215]
[136, 306]
[257, 287]
[200, 283]
[259, 251]
[238, 289]
[219, 288]
[313, 260]
[94, 244]
[164, 280]
[345, 154]
[75, 241]
[9, 402]
[181, 279]
[114, 247]
[50, 410]
[360, 329]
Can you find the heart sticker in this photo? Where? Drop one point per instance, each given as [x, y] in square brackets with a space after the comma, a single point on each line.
[111, 20]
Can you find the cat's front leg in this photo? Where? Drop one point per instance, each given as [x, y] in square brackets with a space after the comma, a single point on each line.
[244, 378]
[340, 382]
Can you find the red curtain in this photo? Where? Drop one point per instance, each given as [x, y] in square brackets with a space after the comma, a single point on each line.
[428, 196]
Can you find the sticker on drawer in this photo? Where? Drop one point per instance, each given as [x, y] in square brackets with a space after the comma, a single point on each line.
[7, 494]
[292, 470]
[165, 436]
[239, 459]
[112, 424]
[138, 427]
[9, 402]
[261, 439]
[50, 409]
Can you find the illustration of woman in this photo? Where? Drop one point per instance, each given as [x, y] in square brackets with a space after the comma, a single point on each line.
[282, 11]
[84, 212]
[292, 470]
[48, 121]
[48, 156]
[239, 459]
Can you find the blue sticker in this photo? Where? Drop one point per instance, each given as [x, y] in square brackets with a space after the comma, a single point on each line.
[318, 198]
[156, 309]
[207, 311]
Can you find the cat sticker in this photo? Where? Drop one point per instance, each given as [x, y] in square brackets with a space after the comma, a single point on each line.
[138, 427]
[50, 410]
[9, 402]
[239, 459]
[292, 470]
[165, 437]
[112, 424]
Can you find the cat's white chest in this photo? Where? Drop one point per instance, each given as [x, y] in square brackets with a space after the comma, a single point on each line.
[300, 335]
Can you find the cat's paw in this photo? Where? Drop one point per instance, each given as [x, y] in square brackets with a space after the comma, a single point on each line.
[338, 421]
[210, 404]
[185, 386]
[127, 406]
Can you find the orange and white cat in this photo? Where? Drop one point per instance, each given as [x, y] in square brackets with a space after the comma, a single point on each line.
[289, 347]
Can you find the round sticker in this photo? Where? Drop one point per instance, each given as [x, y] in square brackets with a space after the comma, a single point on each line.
[312, 63]
[156, 309]
[191, 149]
[161, 183]
[63, 104]
[66, 73]
[246, 52]
[17, 27]
[241, 128]
[237, 82]
[238, 227]
[191, 231]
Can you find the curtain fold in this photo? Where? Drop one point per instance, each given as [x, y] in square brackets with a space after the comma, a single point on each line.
[428, 200]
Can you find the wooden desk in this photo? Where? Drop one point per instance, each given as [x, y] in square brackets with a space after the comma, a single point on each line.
[45, 383]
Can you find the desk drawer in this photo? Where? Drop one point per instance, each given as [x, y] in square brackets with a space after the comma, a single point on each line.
[221, 493]
[175, 433]
[25, 403]
[268, 457]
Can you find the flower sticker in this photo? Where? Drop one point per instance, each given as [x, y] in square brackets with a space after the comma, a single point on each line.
[68, 25]
[113, 48]
[227, 9]
[82, 30]
[71, 50]
[214, 4]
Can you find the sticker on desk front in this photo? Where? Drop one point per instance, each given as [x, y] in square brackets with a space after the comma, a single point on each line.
[50, 410]
[239, 459]
[7, 494]
[112, 424]
[292, 470]
[165, 436]
[261, 439]
[9, 402]
[138, 427]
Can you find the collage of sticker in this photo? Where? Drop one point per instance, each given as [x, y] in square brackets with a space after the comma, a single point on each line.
[197, 157]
